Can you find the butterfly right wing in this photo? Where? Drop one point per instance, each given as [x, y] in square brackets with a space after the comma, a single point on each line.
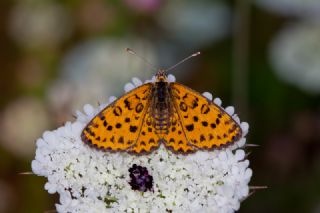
[176, 139]
[206, 125]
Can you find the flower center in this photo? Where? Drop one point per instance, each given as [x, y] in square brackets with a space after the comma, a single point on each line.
[140, 178]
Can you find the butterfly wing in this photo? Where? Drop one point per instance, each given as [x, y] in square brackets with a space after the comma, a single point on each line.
[176, 139]
[204, 124]
[148, 139]
[118, 126]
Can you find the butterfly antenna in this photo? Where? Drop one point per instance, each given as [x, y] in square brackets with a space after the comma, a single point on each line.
[182, 61]
[131, 51]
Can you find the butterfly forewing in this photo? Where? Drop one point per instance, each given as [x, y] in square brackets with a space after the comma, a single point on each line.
[147, 139]
[118, 126]
[205, 124]
[176, 139]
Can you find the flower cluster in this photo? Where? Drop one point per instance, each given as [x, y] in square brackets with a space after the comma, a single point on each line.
[90, 180]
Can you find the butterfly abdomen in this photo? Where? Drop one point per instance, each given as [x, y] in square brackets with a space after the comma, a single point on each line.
[161, 108]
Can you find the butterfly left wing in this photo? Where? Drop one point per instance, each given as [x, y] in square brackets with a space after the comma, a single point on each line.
[148, 138]
[205, 124]
[118, 126]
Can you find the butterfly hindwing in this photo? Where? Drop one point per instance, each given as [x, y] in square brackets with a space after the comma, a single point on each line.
[118, 126]
[147, 139]
[176, 139]
[205, 124]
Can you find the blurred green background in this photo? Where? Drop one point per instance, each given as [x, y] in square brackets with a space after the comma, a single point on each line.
[261, 56]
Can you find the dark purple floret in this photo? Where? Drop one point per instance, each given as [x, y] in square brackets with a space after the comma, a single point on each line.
[140, 178]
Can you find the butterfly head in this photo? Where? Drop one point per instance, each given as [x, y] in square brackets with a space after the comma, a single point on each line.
[161, 75]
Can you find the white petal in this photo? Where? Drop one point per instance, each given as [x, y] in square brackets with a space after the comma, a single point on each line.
[136, 81]
[244, 191]
[230, 110]
[50, 188]
[217, 101]
[128, 87]
[236, 118]
[223, 156]
[35, 166]
[88, 109]
[112, 99]
[244, 127]
[248, 173]
[241, 142]
[171, 78]
[103, 105]
[240, 154]
[207, 95]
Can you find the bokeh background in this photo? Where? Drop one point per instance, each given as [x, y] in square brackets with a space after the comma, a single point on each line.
[262, 56]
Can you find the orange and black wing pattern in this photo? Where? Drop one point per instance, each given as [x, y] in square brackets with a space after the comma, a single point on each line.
[204, 124]
[120, 126]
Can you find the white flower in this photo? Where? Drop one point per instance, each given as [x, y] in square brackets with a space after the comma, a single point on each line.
[18, 137]
[301, 8]
[90, 180]
[195, 23]
[35, 24]
[295, 54]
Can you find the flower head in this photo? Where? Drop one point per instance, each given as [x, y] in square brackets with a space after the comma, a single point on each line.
[91, 180]
[295, 53]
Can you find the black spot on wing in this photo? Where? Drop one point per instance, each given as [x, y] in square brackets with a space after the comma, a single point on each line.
[121, 140]
[204, 123]
[127, 104]
[217, 121]
[133, 128]
[190, 127]
[183, 107]
[117, 111]
[205, 109]
[139, 108]
[152, 141]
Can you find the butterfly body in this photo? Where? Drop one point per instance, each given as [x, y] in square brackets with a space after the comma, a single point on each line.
[161, 105]
[161, 112]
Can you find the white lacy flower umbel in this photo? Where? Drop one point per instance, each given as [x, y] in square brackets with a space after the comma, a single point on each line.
[89, 180]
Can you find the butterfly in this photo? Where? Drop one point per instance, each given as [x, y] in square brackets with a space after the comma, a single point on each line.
[161, 112]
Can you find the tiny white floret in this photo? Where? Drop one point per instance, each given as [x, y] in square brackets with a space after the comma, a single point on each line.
[207, 95]
[128, 87]
[217, 101]
[136, 81]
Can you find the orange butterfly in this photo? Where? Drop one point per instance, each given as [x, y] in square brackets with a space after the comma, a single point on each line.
[161, 112]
